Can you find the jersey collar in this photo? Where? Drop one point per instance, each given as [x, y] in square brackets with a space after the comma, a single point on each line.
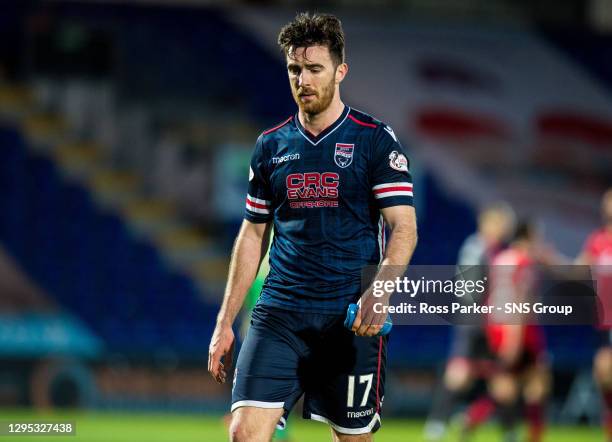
[314, 140]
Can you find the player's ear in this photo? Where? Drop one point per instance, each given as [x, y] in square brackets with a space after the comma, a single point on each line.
[341, 72]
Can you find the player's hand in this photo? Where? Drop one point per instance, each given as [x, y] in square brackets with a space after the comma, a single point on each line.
[367, 322]
[221, 346]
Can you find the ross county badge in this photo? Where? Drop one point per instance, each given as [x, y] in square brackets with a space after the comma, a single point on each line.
[343, 156]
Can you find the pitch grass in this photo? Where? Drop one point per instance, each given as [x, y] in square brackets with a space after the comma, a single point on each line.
[157, 427]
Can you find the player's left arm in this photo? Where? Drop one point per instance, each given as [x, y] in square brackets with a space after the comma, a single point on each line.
[402, 242]
[402, 225]
[391, 183]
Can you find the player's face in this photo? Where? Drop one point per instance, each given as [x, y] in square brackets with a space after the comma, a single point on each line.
[313, 78]
[496, 228]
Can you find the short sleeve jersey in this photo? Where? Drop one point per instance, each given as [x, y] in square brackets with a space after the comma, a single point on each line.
[324, 194]
[513, 272]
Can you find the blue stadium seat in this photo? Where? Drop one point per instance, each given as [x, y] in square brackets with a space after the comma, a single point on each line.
[87, 259]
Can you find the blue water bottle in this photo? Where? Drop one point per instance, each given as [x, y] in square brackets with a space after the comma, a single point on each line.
[351, 314]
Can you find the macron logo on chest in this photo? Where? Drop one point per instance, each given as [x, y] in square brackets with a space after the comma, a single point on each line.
[285, 158]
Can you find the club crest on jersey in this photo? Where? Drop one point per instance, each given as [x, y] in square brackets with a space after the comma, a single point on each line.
[343, 156]
[398, 161]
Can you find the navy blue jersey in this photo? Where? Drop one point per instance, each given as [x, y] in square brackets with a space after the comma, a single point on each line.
[324, 194]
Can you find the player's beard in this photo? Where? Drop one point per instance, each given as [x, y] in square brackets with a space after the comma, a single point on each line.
[320, 103]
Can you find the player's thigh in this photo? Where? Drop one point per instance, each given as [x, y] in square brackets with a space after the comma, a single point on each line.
[469, 349]
[504, 387]
[339, 437]
[346, 384]
[266, 374]
[537, 381]
[253, 424]
[602, 366]
[459, 374]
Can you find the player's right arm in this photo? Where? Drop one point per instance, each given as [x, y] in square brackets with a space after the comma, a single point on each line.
[249, 249]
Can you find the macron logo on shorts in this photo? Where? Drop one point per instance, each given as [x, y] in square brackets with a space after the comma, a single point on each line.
[358, 414]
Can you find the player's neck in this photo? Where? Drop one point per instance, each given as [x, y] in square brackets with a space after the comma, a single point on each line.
[317, 123]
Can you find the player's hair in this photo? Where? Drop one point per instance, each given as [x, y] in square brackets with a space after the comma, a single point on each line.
[525, 229]
[498, 209]
[311, 30]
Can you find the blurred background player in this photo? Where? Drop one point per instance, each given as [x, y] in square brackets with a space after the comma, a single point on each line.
[597, 252]
[470, 357]
[522, 377]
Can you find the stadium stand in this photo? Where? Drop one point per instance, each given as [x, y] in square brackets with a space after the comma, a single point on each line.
[85, 182]
[109, 277]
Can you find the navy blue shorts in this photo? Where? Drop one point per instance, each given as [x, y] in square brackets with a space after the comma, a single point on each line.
[288, 354]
